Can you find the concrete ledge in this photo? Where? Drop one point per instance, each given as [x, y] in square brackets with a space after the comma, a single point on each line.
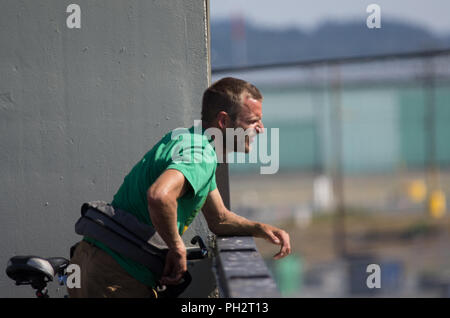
[241, 271]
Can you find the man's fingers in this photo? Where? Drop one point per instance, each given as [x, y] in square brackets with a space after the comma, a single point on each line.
[172, 274]
[285, 246]
[167, 269]
[274, 239]
[172, 280]
[174, 268]
[278, 256]
[272, 236]
[276, 236]
[282, 253]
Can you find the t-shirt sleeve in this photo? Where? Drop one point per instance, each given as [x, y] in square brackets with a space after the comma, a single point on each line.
[213, 184]
[196, 162]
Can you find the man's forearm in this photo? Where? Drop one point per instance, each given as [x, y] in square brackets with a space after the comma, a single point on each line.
[164, 218]
[222, 221]
[233, 224]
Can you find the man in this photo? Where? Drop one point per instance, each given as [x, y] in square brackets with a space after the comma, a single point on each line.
[167, 193]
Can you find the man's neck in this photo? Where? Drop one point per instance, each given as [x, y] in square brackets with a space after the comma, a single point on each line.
[224, 152]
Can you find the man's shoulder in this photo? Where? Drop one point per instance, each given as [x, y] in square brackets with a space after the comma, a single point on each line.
[190, 142]
[192, 136]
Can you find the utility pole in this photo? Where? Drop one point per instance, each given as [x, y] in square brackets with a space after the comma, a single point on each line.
[435, 198]
[338, 186]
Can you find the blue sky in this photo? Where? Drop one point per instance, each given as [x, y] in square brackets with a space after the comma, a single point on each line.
[307, 14]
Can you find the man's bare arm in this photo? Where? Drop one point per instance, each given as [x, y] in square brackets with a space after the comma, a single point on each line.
[222, 221]
[162, 205]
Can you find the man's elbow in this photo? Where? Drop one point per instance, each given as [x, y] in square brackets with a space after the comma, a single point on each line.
[214, 228]
[217, 225]
[157, 198]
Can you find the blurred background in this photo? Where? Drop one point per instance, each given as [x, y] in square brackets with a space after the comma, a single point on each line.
[363, 117]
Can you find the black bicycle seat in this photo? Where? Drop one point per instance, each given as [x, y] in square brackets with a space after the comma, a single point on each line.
[29, 269]
[58, 263]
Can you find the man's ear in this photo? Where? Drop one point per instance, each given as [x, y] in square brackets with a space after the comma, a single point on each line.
[223, 119]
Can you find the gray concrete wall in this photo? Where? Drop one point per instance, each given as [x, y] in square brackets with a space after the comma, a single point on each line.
[79, 107]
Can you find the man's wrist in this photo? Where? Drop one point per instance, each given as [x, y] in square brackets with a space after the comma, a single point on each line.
[257, 229]
[177, 245]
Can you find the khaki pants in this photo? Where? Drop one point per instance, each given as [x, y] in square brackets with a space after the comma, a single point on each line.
[103, 277]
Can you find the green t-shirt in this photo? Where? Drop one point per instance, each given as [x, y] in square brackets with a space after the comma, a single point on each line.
[189, 151]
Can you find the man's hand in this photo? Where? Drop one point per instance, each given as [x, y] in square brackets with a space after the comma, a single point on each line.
[275, 236]
[222, 221]
[175, 266]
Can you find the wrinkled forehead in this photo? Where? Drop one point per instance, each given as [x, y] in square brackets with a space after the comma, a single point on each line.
[251, 106]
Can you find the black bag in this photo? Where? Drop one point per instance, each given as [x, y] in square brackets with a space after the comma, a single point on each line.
[124, 233]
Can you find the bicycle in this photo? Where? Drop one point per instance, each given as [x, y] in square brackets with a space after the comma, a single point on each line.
[39, 271]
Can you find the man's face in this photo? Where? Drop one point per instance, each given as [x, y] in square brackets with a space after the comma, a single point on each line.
[249, 119]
